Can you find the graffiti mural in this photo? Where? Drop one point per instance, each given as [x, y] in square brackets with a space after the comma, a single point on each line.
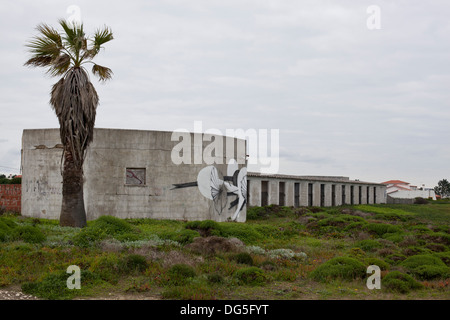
[219, 189]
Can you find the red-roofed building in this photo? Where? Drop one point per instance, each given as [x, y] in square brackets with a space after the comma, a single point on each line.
[404, 190]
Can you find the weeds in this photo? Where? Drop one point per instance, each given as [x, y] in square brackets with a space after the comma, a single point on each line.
[276, 250]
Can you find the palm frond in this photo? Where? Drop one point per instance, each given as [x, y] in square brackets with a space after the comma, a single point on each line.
[41, 61]
[100, 37]
[60, 65]
[74, 38]
[103, 73]
[50, 33]
[44, 47]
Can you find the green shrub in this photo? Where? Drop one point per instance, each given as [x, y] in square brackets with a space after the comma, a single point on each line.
[377, 262]
[444, 256]
[215, 278]
[244, 232]
[113, 225]
[382, 228]
[397, 281]
[133, 263]
[183, 237]
[413, 262]
[428, 272]
[205, 227]
[243, 258]
[6, 228]
[394, 237]
[28, 234]
[340, 267]
[54, 286]
[104, 227]
[368, 245]
[426, 266]
[250, 276]
[107, 267]
[180, 273]
[395, 258]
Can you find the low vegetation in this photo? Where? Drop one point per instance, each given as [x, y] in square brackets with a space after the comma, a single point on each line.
[279, 253]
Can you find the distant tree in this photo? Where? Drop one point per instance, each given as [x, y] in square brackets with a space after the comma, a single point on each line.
[74, 100]
[443, 188]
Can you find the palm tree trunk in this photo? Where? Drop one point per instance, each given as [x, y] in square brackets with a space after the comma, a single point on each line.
[73, 213]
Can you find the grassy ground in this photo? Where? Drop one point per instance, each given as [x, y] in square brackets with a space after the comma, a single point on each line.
[281, 253]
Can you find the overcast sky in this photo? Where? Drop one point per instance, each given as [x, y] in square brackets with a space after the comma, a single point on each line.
[347, 99]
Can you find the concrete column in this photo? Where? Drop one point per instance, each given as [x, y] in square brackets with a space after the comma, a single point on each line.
[273, 192]
[316, 194]
[304, 193]
[289, 189]
[328, 195]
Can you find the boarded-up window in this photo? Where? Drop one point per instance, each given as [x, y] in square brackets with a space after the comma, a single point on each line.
[322, 195]
[297, 194]
[352, 195]
[310, 194]
[135, 176]
[343, 194]
[282, 194]
[368, 194]
[333, 195]
[264, 193]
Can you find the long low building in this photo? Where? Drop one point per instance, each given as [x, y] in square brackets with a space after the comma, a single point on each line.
[320, 191]
[169, 175]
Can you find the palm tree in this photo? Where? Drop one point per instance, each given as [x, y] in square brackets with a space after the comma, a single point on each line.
[74, 100]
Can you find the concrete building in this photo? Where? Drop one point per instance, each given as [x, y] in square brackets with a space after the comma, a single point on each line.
[134, 174]
[320, 191]
[167, 175]
[398, 191]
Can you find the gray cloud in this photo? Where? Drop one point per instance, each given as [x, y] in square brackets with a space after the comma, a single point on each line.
[370, 104]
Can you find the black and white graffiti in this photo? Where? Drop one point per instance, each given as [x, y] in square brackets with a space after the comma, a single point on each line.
[218, 189]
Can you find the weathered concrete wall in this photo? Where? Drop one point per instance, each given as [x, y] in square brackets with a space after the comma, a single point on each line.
[255, 180]
[107, 191]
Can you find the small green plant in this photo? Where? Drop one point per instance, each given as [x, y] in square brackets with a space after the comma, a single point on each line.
[243, 258]
[215, 278]
[28, 234]
[252, 276]
[180, 273]
[340, 267]
[53, 286]
[205, 227]
[382, 228]
[397, 281]
[133, 263]
[368, 245]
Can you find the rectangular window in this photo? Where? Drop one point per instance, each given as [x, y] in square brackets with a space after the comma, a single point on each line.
[297, 194]
[343, 194]
[281, 194]
[333, 195]
[322, 195]
[352, 195]
[135, 176]
[264, 193]
[310, 194]
[374, 195]
[368, 194]
[360, 195]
